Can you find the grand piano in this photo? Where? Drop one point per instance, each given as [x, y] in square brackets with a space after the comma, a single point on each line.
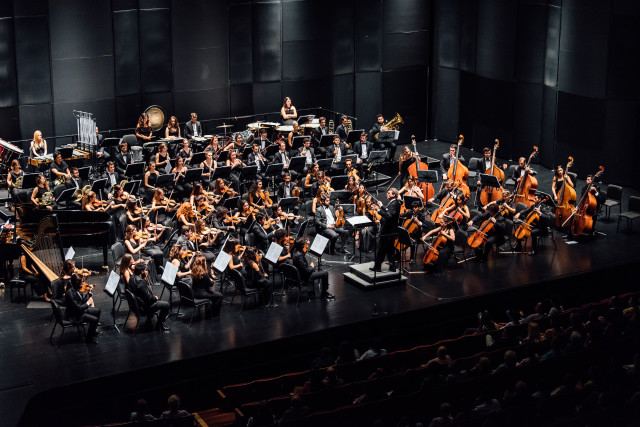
[75, 227]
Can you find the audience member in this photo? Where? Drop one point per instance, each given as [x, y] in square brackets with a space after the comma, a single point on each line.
[174, 410]
[141, 414]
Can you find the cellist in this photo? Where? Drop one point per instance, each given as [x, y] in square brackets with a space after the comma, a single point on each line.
[447, 188]
[497, 233]
[540, 229]
[446, 229]
[418, 216]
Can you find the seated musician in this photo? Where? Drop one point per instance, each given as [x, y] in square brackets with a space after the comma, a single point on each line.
[29, 273]
[15, 172]
[256, 158]
[38, 146]
[317, 201]
[185, 152]
[411, 189]
[312, 177]
[362, 148]
[504, 204]
[417, 214]
[285, 189]
[261, 237]
[336, 152]
[256, 275]
[281, 156]
[258, 197]
[123, 158]
[144, 133]
[236, 166]
[288, 112]
[280, 237]
[308, 152]
[295, 132]
[369, 233]
[192, 128]
[325, 221]
[91, 204]
[126, 270]
[208, 167]
[446, 229]
[221, 192]
[206, 240]
[162, 157]
[143, 244]
[41, 188]
[112, 176]
[350, 170]
[359, 198]
[447, 187]
[179, 257]
[173, 129]
[318, 133]
[342, 130]
[186, 214]
[181, 186]
[133, 212]
[60, 287]
[459, 211]
[150, 178]
[202, 284]
[262, 140]
[449, 159]
[79, 307]
[149, 303]
[186, 239]
[540, 229]
[236, 251]
[59, 169]
[161, 207]
[221, 221]
[378, 127]
[306, 269]
[118, 202]
[213, 147]
[522, 167]
[196, 191]
[245, 217]
[495, 237]
[352, 185]
[235, 144]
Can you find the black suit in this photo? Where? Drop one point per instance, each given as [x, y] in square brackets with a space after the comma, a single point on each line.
[600, 198]
[315, 141]
[190, 129]
[313, 156]
[445, 163]
[121, 161]
[77, 309]
[342, 132]
[262, 239]
[389, 144]
[306, 271]
[518, 173]
[332, 234]
[388, 232]
[277, 157]
[117, 176]
[147, 301]
[262, 167]
[357, 148]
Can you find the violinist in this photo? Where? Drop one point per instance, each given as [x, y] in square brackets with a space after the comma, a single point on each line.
[255, 158]
[118, 201]
[79, 308]
[149, 303]
[351, 171]
[540, 228]
[245, 217]
[181, 186]
[280, 237]
[133, 212]
[220, 190]
[178, 256]
[352, 185]
[256, 275]
[161, 207]
[89, 203]
[418, 216]
[126, 270]
[405, 160]
[449, 159]
[282, 219]
[208, 167]
[307, 271]
[185, 152]
[410, 188]
[258, 197]
[325, 221]
[559, 180]
[369, 233]
[150, 179]
[236, 166]
[186, 215]
[186, 239]
[205, 239]
[261, 237]
[196, 191]
[222, 214]
[360, 198]
[203, 209]
[323, 182]
[317, 201]
[496, 236]
[285, 188]
[459, 211]
[203, 285]
[236, 251]
[308, 153]
[151, 249]
[312, 177]
[446, 229]
[162, 156]
[61, 286]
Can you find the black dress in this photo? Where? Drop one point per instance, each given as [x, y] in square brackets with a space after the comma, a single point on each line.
[207, 183]
[404, 170]
[202, 290]
[174, 132]
[143, 130]
[162, 159]
[151, 180]
[258, 281]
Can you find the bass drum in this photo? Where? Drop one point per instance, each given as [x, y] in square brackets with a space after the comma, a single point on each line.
[8, 152]
[156, 117]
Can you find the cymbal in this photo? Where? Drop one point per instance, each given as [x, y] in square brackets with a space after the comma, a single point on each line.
[224, 126]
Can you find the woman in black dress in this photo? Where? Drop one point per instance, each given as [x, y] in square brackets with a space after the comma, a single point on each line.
[203, 285]
[162, 157]
[173, 128]
[288, 112]
[144, 133]
[41, 188]
[150, 179]
[256, 276]
[208, 167]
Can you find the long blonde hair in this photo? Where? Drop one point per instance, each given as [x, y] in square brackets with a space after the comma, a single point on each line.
[38, 140]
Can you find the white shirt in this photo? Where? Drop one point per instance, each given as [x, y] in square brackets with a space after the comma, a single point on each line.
[364, 150]
[330, 220]
[339, 155]
[112, 178]
[309, 158]
[287, 190]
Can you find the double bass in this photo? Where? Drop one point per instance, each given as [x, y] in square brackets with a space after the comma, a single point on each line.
[582, 220]
[528, 185]
[490, 194]
[417, 166]
[566, 199]
[459, 172]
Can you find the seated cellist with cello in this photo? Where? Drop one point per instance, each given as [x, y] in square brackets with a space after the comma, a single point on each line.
[442, 245]
[534, 221]
[494, 235]
[414, 220]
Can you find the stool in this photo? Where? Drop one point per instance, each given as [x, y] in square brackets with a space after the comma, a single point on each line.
[21, 285]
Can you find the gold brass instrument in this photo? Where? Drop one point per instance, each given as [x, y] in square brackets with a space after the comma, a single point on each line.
[349, 125]
[47, 199]
[81, 192]
[60, 180]
[331, 126]
[392, 124]
[156, 117]
[17, 183]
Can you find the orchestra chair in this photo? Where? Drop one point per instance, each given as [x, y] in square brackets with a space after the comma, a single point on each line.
[459, 253]
[551, 235]
[614, 198]
[631, 214]
[59, 320]
[241, 288]
[509, 182]
[473, 171]
[134, 308]
[122, 220]
[21, 286]
[130, 139]
[117, 252]
[187, 298]
[292, 277]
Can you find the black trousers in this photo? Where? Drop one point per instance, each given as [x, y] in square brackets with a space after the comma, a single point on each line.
[385, 249]
[391, 146]
[214, 297]
[333, 233]
[323, 276]
[92, 316]
[161, 307]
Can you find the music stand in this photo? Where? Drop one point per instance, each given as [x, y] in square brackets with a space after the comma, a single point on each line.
[339, 195]
[354, 136]
[349, 209]
[65, 152]
[223, 156]
[231, 203]
[221, 172]
[247, 174]
[273, 170]
[84, 173]
[428, 176]
[198, 158]
[339, 182]
[66, 195]
[357, 222]
[318, 247]
[272, 255]
[324, 164]
[305, 119]
[222, 262]
[343, 160]
[29, 180]
[326, 140]
[288, 202]
[271, 150]
[386, 136]
[168, 280]
[408, 201]
[99, 185]
[377, 158]
[298, 141]
[193, 175]
[132, 187]
[298, 163]
[111, 289]
[405, 241]
[134, 169]
[247, 150]
[165, 180]
[487, 181]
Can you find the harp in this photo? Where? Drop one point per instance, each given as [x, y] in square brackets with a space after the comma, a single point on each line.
[45, 250]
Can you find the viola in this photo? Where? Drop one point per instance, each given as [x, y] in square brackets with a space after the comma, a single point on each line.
[582, 220]
[417, 166]
[528, 184]
[490, 194]
[265, 199]
[354, 173]
[187, 254]
[459, 172]
[168, 202]
[361, 204]
[85, 272]
[306, 246]
[566, 198]
[431, 255]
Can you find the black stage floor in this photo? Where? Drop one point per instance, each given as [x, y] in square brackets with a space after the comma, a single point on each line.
[31, 364]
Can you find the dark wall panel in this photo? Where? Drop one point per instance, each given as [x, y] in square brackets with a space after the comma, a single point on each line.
[10, 123]
[128, 108]
[343, 15]
[496, 39]
[240, 45]
[446, 103]
[266, 43]
[164, 99]
[448, 21]
[368, 97]
[32, 59]
[267, 97]
[30, 8]
[155, 49]
[554, 19]
[300, 59]
[468, 35]
[531, 42]
[37, 117]
[621, 130]
[208, 71]
[8, 83]
[207, 103]
[126, 52]
[241, 99]
[309, 93]
[343, 93]
[549, 107]
[406, 15]
[405, 50]
[405, 92]
[368, 35]
[298, 16]
[527, 122]
[624, 58]
[83, 79]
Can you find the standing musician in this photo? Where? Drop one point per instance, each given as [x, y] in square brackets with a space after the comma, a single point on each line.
[208, 167]
[520, 170]
[317, 135]
[308, 153]
[123, 158]
[192, 128]
[417, 214]
[447, 229]
[325, 221]
[41, 188]
[362, 148]
[343, 130]
[38, 146]
[405, 160]
[448, 159]
[306, 269]
[388, 231]
[295, 132]
[495, 237]
[600, 198]
[149, 302]
[144, 133]
[485, 164]
[378, 127]
[255, 157]
[59, 169]
[288, 112]
[79, 307]
[256, 275]
[203, 285]
[558, 181]
[173, 128]
[541, 228]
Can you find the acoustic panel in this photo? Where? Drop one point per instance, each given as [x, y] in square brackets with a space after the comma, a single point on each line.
[241, 99]
[163, 99]
[448, 33]
[494, 102]
[496, 39]
[531, 42]
[548, 135]
[368, 97]
[446, 103]
[123, 5]
[155, 49]
[10, 123]
[199, 24]
[343, 90]
[527, 121]
[581, 121]
[304, 20]
[300, 60]
[104, 110]
[240, 44]
[405, 50]
[402, 16]
[552, 56]
[405, 92]
[31, 8]
[82, 79]
[309, 93]
[80, 29]
[32, 60]
[468, 35]
[343, 48]
[8, 83]
[207, 103]
[267, 97]
[37, 117]
[128, 108]
[626, 8]
[126, 52]
[623, 59]
[200, 68]
[267, 42]
[621, 134]
[368, 36]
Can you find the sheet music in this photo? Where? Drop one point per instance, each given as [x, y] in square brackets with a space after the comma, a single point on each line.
[112, 283]
[273, 253]
[169, 274]
[318, 245]
[222, 262]
[70, 253]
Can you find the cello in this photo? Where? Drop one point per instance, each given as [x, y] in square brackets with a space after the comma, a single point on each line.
[417, 166]
[459, 172]
[490, 194]
[432, 254]
[479, 237]
[528, 185]
[444, 204]
[411, 225]
[524, 230]
[566, 199]
[582, 219]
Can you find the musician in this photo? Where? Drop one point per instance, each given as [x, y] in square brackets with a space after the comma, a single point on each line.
[522, 167]
[246, 218]
[257, 196]
[308, 153]
[79, 308]
[133, 212]
[295, 132]
[280, 237]
[417, 214]
[144, 133]
[193, 128]
[236, 251]
[359, 198]
[59, 168]
[60, 287]
[446, 229]
[325, 221]
[378, 127]
[447, 188]
[236, 166]
[256, 158]
[449, 159]
[281, 155]
[150, 179]
[495, 237]
[336, 151]
[162, 156]
[113, 177]
[235, 144]
[213, 147]
[363, 148]
[504, 205]
[388, 231]
[317, 135]
[208, 167]
[283, 220]
[75, 182]
[256, 275]
[343, 129]
[405, 160]
[15, 172]
[102, 153]
[196, 191]
[186, 238]
[459, 211]
[600, 198]
[173, 129]
[123, 158]
[142, 244]
[221, 191]
[351, 171]
[38, 146]
[262, 140]
[558, 181]
[149, 303]
[288, 112]
[203, 285]
[186, 214]
[317, 202]
[41, 188]
[410, 188]
[262, 239]
[160, 207]
[88, 203]
[181, 186]
[222, 214]
[178, 256]
[306, 270]
[118, 202]
[29, 273]
[541, 228]
[206, 240]
[352, 184]
[369, 233]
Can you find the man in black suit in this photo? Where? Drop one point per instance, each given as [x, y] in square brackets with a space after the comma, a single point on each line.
[79, 308]
[362, 148]
[255, 158]
[449, 159]
[376, 129]
[325, 221]
[343, 130]
[192, 128]
[600, 198]
[149, 303]
[317, 135]
[262, 140]
[308, 152]
[261, 239]
[518, 173]
[306, 270]
[123, 158]
[112, 176]
[336, 151]
[75, 183]
[389, 231]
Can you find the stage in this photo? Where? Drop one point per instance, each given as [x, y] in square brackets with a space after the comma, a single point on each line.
[31, 365]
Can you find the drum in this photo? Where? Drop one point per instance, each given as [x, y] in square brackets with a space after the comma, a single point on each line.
[136, 154]
[285, 128]
[8, 152]
[307, 128]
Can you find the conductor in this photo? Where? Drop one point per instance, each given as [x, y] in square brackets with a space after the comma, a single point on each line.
[388, 233]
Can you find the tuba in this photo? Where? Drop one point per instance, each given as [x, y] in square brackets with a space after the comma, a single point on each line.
[392, 124]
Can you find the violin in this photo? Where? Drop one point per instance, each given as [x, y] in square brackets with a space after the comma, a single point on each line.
[490, 194]
[374, 214]
[582, 220]
[85, 272]
[361, 204]
[141, 235]
[528, 184]
[459, 172]
[354, 173]
[290, 217]
[340, 217]
[240, 248]
[187, 254]
[168, 202]
[265, 199]
[306, 246]
[99, 204]
[295, 191]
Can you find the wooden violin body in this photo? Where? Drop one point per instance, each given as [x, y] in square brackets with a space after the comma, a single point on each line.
[411, 226]
[582, 221]
[566, 199]
[459, 172]
[491, 194]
